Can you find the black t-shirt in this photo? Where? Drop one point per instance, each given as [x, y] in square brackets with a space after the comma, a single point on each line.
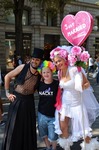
[47, 98]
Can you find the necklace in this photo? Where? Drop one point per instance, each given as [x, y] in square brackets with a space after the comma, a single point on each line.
[34, 73]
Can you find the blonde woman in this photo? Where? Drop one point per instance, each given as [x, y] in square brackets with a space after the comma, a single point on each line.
[69, 118]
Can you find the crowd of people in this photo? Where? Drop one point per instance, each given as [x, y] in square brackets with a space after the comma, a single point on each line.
[93, 68]
[67, 106]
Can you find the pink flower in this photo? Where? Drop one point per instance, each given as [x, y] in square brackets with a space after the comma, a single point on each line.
[54, 52]
[72, 59]
[61, 52]
[84, 56]
[76, 50]
[78, 57]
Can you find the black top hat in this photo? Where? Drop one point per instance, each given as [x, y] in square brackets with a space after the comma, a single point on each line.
[38, 53]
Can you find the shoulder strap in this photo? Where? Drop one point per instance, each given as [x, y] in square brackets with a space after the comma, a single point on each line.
[21, 77]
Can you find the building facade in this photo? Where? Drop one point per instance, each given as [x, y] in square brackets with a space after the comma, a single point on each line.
[42, 29]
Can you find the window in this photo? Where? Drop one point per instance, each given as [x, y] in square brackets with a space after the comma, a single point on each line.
[11, 18]
[25, 18]
[51, 19]
[96, 47]
[10, 47]
[50, 42]
[97, 21]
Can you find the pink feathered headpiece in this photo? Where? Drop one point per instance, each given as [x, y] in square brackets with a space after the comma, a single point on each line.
[59, 51]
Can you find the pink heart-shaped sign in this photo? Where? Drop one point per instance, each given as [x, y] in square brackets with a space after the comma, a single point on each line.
[77, 28]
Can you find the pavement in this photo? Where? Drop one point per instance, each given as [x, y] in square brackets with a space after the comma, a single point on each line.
[40, 143]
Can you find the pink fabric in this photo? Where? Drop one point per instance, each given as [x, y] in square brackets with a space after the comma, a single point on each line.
[79, 69]
[58, 99]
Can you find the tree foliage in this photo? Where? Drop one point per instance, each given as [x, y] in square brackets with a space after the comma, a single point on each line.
[5, 6]
[52, 3]
[55, 5]
[18, 7]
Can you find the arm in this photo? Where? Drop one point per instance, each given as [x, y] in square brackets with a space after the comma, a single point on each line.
[85, 83]
[8, 78]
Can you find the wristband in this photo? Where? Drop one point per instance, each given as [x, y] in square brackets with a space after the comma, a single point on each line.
[7, 92]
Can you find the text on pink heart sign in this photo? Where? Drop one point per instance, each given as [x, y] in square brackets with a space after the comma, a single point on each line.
[77, 28]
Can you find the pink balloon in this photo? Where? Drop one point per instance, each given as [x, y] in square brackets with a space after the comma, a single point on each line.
[77, 28]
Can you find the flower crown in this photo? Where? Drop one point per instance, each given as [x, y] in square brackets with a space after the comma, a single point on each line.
[46, 64]
[61, 51]
[75, 55]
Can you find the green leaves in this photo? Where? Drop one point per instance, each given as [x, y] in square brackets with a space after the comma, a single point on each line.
[81, 64]
[55, 5]
[6, 6]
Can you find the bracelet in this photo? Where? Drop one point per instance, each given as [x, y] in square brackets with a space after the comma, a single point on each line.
[7, 92]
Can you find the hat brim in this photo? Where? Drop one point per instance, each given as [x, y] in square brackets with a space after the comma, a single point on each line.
[34, 56]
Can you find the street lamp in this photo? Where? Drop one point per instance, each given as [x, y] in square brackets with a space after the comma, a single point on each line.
[95, 28]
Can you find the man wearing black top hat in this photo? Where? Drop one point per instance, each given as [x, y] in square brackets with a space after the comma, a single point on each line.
[20, 131]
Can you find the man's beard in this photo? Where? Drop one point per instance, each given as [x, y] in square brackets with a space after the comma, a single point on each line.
[33, 67]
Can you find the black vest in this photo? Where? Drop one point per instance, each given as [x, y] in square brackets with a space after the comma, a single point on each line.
[20, 79]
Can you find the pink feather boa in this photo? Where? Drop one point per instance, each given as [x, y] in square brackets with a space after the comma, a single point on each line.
[58, 99]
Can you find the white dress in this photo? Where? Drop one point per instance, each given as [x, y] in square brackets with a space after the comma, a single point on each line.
[74, 106]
